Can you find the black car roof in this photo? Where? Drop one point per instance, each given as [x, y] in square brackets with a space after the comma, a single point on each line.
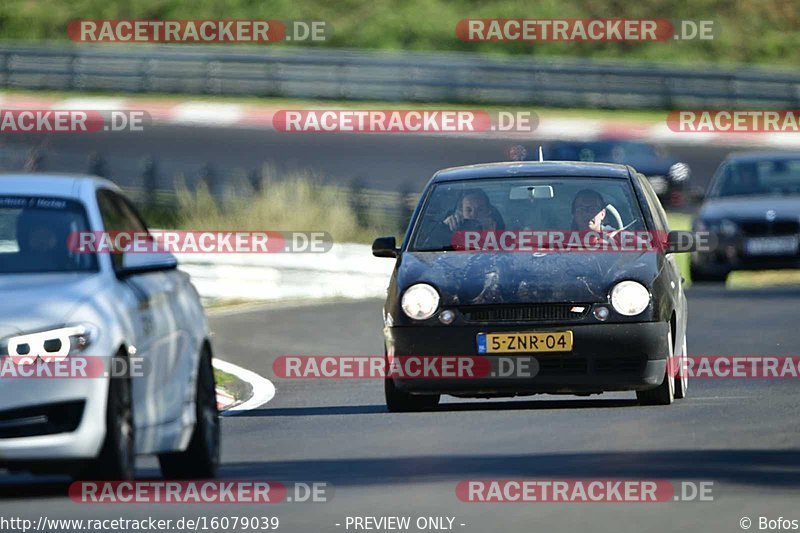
[532, 169]
[762, 156]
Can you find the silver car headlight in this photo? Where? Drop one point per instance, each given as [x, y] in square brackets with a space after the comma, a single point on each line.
[679, 172]
[630, 298]
[420, 301]
[49, 345]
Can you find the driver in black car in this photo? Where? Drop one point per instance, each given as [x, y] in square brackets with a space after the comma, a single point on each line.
[589, 211]
[475, 212]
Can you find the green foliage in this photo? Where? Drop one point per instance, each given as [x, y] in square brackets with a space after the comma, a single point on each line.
[296, 202]
[749, 31]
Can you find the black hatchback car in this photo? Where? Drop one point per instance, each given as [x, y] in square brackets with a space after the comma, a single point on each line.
[587, 321]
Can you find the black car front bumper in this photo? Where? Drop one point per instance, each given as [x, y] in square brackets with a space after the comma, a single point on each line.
[604, 357]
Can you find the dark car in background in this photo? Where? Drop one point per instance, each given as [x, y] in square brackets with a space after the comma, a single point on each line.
[615, 317]
[668, 176]
[752, 211]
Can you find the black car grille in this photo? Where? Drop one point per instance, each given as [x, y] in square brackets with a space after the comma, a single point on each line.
[524, 313]
[47, 419]
[778, 227]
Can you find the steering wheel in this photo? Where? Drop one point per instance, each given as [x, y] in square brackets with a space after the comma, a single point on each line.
[617, 218]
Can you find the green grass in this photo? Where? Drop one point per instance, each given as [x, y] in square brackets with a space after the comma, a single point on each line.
[681, 222]
[297, 202]
[237, 388]
[224, 380]
[754, 31]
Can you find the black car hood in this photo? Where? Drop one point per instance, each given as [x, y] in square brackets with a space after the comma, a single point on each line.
[474, 278]
[751, 207]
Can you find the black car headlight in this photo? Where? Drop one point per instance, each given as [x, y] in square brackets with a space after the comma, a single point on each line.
[629, 298]
[49, 345]
[420, 301]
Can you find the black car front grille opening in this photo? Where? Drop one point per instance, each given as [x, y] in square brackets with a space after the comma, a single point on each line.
[525, 313]
[49, 419]
[778, 227]
[562, 365]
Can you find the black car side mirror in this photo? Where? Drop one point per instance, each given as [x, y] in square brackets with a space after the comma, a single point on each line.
[385, 247]
[680, 241]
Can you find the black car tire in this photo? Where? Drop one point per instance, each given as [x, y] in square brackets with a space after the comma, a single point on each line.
[117, 458]
[700, 276]
[664, 394]
[402, 402]
[200, 460]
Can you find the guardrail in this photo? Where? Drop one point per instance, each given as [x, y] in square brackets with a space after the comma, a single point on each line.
[406, 76]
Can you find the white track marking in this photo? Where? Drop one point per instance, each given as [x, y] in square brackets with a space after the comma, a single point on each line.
[263, 389]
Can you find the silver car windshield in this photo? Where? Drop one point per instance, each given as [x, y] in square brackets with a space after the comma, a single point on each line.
[35, 232]
[766, 176]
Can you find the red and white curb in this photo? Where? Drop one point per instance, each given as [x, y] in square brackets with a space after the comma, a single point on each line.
[231, 115]
[263, 389]
[224, 400]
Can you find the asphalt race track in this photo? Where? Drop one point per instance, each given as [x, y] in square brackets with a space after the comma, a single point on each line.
[740, 434]
[388, 162]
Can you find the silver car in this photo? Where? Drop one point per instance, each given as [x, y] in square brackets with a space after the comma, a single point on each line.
[135, 308]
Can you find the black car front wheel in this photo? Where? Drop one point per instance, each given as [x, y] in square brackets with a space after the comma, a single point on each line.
[201, 458]
[402, 402]
[117, 458]
[664, 394]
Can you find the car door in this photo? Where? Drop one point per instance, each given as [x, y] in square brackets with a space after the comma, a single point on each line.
[180, 308]
[152, 321]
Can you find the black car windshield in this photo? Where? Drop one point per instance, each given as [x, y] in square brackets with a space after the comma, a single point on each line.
[34, 235]
[766, 176]
[544, 204]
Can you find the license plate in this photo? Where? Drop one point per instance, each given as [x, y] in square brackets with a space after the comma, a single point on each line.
[560, 341]
[771, 245]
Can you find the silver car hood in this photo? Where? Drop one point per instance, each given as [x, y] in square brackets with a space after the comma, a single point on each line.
[30, 302]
